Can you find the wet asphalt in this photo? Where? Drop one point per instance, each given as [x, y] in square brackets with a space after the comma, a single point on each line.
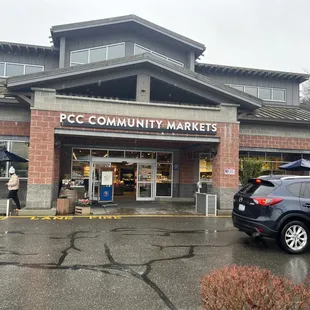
[126, 263]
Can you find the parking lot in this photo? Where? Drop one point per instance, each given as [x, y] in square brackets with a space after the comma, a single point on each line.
[124, 263]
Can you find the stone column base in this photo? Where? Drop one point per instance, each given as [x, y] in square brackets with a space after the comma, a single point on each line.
[225, 197]
[39, 196]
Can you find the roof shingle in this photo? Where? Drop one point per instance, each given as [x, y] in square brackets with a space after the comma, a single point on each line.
[279, 114]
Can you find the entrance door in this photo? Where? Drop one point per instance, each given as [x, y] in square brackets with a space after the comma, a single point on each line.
[145, 182]
[95, 181]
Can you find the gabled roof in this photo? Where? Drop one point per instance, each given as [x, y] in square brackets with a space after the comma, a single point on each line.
[278, 114]
[57, 31]
[30, 80]
[12, 46]
[222, 69]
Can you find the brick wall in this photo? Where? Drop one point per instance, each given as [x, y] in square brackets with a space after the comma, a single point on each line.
[274, 130]
[275, 142]
[42, 154]
[223, 185]
[227, 157]
[9, 128]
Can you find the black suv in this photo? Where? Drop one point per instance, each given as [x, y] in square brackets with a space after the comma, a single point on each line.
[277, 207]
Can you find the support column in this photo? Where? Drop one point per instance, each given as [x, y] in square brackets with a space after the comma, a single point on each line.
[225, 185]
[143, 91]
[191, 60]
[62, 52]
[43, 173]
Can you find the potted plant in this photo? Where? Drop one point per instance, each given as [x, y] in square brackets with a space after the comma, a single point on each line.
[82, 206]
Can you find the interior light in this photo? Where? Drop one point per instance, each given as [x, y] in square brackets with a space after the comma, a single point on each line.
[258, 181]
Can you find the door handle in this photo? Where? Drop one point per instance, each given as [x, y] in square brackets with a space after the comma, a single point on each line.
[307, 205]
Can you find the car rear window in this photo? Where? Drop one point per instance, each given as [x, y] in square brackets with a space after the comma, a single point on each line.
[294, 189]
[254, 189]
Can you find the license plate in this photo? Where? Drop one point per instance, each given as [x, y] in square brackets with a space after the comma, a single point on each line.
[241, 207]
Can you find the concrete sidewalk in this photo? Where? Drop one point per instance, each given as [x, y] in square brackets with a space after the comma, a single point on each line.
[127, 206]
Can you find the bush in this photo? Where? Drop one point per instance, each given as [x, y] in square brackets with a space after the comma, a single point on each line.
[249, 168]
[245, 288]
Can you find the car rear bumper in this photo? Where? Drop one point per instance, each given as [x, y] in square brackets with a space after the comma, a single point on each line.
[251, 226]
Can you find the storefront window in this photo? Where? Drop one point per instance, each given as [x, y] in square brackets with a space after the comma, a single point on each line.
[81, 154]
[80, 170]
[271, 161]
[130, 154]
[3, 170]
[114, 154]
[99, 153]
[205, 169]
[164, 157]
[148, 155]
[164, 180]
[21, 149]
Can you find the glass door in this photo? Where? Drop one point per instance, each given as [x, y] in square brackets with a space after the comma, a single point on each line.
[145, 182]
[96, 179]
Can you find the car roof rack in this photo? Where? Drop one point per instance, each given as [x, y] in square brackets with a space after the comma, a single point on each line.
[296, 177]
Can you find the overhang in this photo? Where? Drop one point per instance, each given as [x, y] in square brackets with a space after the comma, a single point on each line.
[67, 29]
[47, 78]
[21, 47]
[148, 136]
[222, 69]
[276, 114]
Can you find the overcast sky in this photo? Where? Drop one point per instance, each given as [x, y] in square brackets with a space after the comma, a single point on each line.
[267, 34]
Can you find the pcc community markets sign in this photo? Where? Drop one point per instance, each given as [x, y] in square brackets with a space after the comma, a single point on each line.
[137, 124]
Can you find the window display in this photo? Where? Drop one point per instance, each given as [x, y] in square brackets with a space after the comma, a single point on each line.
[80, 170]
[205, 170]
[164, 180]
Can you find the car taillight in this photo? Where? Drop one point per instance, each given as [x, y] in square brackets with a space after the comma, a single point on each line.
[266, 201]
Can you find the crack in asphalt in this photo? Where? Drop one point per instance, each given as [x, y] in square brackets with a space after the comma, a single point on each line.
[114, 265]
[73, 237]
[167, 232]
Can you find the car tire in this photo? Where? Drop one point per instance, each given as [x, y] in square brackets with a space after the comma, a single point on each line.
[294, 237]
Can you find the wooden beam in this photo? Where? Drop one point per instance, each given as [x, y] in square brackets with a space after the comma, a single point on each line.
[25, 99]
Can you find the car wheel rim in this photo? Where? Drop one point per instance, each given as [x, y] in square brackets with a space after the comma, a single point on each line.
[296, 237]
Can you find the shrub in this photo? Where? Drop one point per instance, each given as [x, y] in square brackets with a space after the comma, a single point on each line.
[245, 288]
[249, 168]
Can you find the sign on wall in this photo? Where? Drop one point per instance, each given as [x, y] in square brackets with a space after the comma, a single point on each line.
[141, 124]
[230, 171]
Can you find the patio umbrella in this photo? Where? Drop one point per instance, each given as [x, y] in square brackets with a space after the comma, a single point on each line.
[298, 165]
[8, 156]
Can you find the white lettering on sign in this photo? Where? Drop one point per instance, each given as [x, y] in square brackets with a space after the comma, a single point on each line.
[79, 119]
[111, 122]
[171, 125]
[91, 120]
[68, 119]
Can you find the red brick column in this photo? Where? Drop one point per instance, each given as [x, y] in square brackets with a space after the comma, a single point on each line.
[225, 185]
[43, 171]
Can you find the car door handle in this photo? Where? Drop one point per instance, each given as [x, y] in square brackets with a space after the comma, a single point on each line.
[307, 205]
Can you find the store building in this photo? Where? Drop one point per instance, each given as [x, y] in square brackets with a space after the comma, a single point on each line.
[129, 94]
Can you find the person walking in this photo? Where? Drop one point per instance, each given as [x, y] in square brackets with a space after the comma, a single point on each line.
[13, 187]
